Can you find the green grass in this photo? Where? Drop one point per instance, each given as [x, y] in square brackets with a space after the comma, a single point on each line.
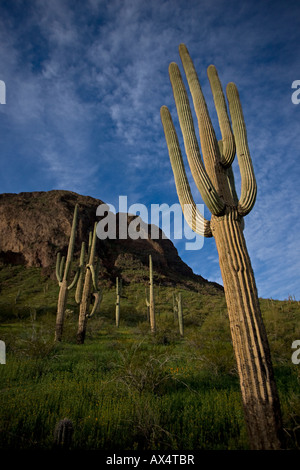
[125, 389]
[120, 393]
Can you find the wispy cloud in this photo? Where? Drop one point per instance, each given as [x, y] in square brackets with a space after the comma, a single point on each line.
[85, 83]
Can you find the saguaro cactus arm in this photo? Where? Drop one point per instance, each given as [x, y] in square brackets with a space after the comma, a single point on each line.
[97, 302]
[236, 141]
[248, 182]
[74, 280]
[227, 153]
[94, 277]
[63, 265]
[92, 245]
[201, 178]
[60, 266]
[71, 244]
[191, 213]
[79, 286]
[92, 259]
[209, 144]
[60, 269]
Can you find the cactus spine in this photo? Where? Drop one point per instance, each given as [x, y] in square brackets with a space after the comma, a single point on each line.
[63, 273]
[215, 182]
[118, 294]
[85, 290]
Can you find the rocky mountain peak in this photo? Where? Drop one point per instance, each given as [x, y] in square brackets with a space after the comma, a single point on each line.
[34, 226]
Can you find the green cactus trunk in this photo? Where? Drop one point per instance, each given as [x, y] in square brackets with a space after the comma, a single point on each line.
[118, 294]
[63, 433]
[63, 273]
[61, 307]
[252, 352]
[180, 315]
[84, 307]
[147, 305]
[215, 181]
[79, 286]
[84, 294]
[151, 298]
[175, 308]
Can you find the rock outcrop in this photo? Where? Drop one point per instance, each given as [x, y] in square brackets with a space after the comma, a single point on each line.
[34, 226]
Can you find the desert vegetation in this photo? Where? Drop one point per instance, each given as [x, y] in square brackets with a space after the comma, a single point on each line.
[126, 388]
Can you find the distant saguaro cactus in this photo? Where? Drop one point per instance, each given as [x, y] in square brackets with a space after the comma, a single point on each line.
[147, 305]
[85, 290]
[63, 273]
[215, 182]
[178, 315]
[63, 433]
[118, 300]
[150, 303]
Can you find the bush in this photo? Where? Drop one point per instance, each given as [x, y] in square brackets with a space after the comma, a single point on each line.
[141, 370]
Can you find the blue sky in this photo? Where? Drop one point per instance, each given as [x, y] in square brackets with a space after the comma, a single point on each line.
[84, 85]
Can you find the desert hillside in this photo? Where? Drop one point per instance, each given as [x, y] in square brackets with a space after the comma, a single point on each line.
[35, 226]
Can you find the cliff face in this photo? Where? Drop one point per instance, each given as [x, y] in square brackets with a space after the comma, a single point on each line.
[35, 226]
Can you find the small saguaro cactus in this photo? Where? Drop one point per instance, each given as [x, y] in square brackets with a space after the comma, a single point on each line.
[215, 181]
[63, 273]
[118, 299]
[177, 307]
[150, 303]
[89, 287]
[63, 434]
[147, 305]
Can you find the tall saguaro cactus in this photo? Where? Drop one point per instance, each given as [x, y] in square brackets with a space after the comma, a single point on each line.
[63, 273]
[89, 287]
[214, 179]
